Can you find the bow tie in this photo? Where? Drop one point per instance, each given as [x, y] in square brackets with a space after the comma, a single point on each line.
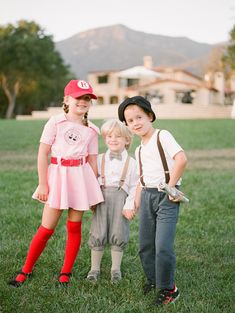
[117, 156]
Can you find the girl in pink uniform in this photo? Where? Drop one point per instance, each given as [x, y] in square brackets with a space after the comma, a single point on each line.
[70, 181]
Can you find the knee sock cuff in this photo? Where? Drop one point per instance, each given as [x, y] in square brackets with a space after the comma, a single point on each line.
[74, 227]
[46, 230]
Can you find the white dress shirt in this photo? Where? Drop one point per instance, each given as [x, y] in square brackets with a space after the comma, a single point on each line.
[113, 171]
[153, 172]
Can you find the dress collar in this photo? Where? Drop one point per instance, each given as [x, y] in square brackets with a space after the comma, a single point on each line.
[62, 118]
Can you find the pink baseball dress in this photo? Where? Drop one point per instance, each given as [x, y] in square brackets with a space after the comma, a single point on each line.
[71, 186]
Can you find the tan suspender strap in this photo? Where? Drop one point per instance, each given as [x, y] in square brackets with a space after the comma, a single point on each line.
[162, 155]
[102, 169]
[124, 172]
[141, 170]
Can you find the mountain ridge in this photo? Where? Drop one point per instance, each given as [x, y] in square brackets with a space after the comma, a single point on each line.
[118, 47]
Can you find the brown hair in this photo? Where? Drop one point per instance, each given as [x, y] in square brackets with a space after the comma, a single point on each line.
[65, 107]
[85, 118]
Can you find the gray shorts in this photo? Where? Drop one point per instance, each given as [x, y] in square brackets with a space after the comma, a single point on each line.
[108, 225]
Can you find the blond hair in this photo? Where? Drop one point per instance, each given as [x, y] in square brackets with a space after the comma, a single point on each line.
[115, 125]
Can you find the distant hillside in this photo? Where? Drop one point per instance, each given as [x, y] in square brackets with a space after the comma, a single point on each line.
[118, 47]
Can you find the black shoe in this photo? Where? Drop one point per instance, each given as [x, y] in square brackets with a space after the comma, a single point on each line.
[148, 287]
[165, 296]
[16, 283]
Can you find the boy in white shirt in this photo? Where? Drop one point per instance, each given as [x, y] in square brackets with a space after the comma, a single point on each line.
[158, 212]
[118, 179]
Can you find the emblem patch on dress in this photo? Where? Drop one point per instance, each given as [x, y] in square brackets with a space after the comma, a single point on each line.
[72, 136]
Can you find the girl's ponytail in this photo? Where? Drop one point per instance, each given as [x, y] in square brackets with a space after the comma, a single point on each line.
[85, 119]
[65, 107]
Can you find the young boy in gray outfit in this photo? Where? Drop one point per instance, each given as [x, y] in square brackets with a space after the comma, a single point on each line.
[118, 179]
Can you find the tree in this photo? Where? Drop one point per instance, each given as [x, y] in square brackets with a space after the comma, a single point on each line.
[214, 62]
[229, 57]
[30, 65]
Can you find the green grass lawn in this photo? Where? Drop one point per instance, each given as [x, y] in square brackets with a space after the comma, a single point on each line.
[205, 242]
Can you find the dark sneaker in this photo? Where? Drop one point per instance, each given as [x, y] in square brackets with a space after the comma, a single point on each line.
[165, 296]
[148, 287]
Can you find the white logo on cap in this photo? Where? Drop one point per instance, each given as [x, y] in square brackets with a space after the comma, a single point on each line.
[83, 84]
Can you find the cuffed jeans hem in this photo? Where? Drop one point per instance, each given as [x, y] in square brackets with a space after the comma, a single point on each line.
[165, 286]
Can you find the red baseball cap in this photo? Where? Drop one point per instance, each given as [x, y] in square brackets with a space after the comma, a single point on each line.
[77, 88]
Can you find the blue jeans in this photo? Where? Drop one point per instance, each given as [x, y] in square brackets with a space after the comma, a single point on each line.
[158, 219]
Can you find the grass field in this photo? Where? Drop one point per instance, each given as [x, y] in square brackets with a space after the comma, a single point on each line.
[205, 242]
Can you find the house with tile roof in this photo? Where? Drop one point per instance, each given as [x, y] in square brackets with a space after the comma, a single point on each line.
[168, 86]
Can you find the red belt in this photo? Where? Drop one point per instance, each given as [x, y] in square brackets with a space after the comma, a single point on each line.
[65, 162]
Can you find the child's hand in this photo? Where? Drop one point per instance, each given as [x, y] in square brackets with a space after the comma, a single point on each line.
[129, 214]
[179, 197]
[42, 192]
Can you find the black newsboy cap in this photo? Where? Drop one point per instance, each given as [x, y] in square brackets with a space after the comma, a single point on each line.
[138, 100]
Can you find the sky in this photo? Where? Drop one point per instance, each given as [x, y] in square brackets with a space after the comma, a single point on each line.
[205, 21]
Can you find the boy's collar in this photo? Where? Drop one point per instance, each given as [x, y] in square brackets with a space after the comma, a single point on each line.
[154, 132]
[123, 153]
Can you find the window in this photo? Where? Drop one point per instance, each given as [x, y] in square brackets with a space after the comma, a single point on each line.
[127, 82]
[184, 96]
[132, 82]
[100, 100]
[103, 79]
[113, 99]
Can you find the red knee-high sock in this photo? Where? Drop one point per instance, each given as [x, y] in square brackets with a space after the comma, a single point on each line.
[36, 247]
[74, 234]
